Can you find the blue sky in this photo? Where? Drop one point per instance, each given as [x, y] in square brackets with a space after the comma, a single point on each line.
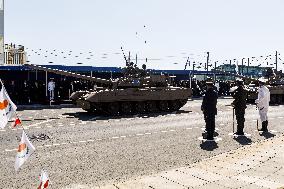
[173, 30]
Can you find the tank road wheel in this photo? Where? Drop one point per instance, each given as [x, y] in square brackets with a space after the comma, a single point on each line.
[125, 108]
[151, 106]
[174, 105]
[163, 105]
[139, 107]
[113, 108]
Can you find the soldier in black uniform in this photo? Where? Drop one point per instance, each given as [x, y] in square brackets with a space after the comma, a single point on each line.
[209, 109]
[239, 104]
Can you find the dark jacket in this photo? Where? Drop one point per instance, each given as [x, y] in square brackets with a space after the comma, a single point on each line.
[240, 96]
[209, 102]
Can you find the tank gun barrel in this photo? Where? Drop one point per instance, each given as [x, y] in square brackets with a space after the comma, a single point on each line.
[69, 74]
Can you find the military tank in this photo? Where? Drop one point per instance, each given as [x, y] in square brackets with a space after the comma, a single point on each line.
[136, 92]
[275, 84]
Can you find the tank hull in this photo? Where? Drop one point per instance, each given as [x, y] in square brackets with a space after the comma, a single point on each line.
[134, 100]
[276, 94]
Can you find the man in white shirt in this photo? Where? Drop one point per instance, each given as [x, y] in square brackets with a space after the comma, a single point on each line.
[51, 87]
[262, 103]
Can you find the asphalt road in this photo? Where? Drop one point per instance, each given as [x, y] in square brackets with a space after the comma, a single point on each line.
[87, 151]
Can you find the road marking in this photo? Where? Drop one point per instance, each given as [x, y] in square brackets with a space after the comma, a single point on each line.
[7, 150]
[280, 117]
[189, 128]
[216, 139]
[49, 126]
[99, 139]
[39, 123]
[3, 130]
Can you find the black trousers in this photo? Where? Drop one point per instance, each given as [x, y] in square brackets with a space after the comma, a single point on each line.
[240, 116]
[210, 124]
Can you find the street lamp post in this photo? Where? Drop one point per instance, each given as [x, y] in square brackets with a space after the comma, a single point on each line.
[248, 66]
[215, 65]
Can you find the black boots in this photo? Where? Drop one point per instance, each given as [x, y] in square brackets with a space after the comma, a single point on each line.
[240, 129]
[264, 126]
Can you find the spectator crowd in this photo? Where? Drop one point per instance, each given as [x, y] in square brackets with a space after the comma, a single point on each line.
[36, 92]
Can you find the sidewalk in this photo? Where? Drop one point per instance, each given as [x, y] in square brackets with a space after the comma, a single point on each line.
[259, 165]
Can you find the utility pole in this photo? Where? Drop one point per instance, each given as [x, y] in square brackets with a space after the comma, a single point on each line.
[215, 64]
[136, 59]
[193, 65]
[276, 61]
[248, 67]
[242, 66]
[207, 63]
[231, 69]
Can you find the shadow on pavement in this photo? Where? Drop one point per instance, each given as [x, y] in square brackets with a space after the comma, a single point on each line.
[267, 135]
[42, 107]
[214, 135]
[243, 140]
[85, 116]
[208, 145]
